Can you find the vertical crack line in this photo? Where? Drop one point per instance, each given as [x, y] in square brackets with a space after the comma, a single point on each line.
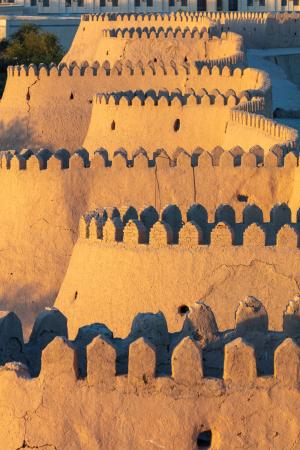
[157, 191]
[194, 185]
[226, 126]
[28, 95]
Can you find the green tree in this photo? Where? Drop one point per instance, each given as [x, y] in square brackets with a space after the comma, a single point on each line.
[31, 45]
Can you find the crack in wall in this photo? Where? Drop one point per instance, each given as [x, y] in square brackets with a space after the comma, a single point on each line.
[36, 447]
[157, 189]
[26, 417]
[28, 96]
[231, 267]
[194, 186]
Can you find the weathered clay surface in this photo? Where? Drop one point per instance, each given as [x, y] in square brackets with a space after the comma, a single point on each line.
[169, 244]
[199, 387]
[55, 200]
[173, 276]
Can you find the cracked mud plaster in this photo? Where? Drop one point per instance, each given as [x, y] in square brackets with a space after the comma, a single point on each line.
[44, 447]
[184, 415]
[28, 99]
[257, 277]
[187, 275]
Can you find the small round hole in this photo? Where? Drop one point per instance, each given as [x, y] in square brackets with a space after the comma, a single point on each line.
[204, 440]
[113, 125]
[176, 125]
[183, 309]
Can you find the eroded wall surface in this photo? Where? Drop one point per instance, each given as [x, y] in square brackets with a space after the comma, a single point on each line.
[41, 215]
[101, 392]
[61, 120]
[137, 364]
[177, 270]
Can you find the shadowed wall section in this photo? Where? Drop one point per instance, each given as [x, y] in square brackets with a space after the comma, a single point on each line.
[51, 106]
[40, 228]
[193, 379]
[173, 261]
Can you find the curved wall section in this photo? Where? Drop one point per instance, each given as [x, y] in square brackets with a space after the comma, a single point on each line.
[112, 283]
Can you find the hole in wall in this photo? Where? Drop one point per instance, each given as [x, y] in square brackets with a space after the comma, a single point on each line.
[90, 101]
[71, 96]
[113, 125]
[28, 95]
[242, 198]
[204, 439]
[155, 60]
[183, 309]
[176, 125]
[75, 295]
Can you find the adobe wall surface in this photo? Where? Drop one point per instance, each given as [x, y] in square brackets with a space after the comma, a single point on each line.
[32, 118]
[267, 30]
[188, 121]
[201, 207]
[92, 25]
[148, 45]
[185, 411]
[173, 123]
[194, 385]
[55, 199]
[260, 30]
[144, 278]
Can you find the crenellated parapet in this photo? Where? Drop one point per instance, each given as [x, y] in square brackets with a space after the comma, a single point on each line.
[120, 36]
[258, 78]
[274, 30]
[185, 118]
[150, 33]
[161, 99]
[150, 351]
[249, 115]
[191, 228]
[180, 254]
[237, 158]
[259, 17]
[237, 79]
[208, 77]
[175, 19]
[256, 157]
[73, 87]
[198, 370]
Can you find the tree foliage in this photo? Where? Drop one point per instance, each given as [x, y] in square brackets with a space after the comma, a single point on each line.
[31, 45]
